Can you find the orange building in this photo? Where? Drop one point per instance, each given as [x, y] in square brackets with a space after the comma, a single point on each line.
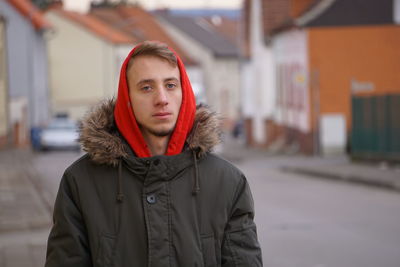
[349, 58]
[325, 53]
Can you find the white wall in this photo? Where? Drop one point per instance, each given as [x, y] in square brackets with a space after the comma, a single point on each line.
[82, 67]
[3, 84]
[291, 66]
[247, 98]
[226, 81]
[260, 105]
[195, 74]
[333, 134]
[396, 11]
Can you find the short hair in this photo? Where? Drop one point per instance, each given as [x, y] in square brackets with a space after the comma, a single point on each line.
[154, 48]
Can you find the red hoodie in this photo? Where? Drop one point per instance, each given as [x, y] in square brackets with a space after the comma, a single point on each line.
[126, 121]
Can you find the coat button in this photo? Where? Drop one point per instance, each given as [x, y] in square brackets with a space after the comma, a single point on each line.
[151, 199]
[156, 162]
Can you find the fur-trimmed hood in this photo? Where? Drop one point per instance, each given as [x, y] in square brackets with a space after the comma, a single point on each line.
[100, 138]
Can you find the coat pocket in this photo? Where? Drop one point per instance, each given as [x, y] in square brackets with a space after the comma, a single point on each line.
[208, 248]
[105, 251]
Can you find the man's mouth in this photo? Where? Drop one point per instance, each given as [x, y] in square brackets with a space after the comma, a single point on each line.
[162, 115]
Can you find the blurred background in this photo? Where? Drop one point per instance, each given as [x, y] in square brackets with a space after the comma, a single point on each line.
[307, 89]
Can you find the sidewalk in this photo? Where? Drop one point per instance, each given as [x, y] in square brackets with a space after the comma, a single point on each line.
[334, 167]
[24, 217]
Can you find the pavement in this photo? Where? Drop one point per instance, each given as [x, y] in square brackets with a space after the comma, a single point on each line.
[335, 167]
[25, 214]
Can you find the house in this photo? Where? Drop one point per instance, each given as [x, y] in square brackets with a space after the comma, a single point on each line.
[323, 54]
[25, 74]
[4, 126]
[85, 55]
[87, 51]
[210, 42]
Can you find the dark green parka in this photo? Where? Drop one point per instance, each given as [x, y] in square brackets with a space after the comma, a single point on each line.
[114, 209]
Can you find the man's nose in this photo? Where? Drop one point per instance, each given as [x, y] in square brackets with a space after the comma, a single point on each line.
[161, 97]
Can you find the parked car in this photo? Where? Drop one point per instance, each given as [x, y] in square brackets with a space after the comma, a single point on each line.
[60, 133]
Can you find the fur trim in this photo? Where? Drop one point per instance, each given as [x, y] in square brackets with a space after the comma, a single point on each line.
[206, 131]
[100, 138]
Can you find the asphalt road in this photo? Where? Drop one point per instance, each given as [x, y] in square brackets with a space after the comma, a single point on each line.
[302, 222]
[307, 222]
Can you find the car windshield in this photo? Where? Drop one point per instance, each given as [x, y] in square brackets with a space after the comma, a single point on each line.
[62, 125]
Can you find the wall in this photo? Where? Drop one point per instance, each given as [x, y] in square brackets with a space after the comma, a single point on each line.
[365, 59]
[262, 86]
[226, 78]
[396, 11]
[3, 87]
[291, 68]
[27, 64]
[81, 67]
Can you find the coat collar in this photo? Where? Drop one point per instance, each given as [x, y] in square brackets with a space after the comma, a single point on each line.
[100, 138]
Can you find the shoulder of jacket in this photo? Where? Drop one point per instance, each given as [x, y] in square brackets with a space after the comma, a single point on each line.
[224, 165]
[77, 165]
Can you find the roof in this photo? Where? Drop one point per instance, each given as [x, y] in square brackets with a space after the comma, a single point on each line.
[139, 24]
[282, 14]
[232, 29]
[274, 14]
[204, 32]
[348, 13]
[98, 27]
[32, 13]
[225, 26]
[279, 13]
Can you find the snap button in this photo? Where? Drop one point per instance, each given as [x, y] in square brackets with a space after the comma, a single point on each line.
[156, 162]
[147, 162]
[151, 199]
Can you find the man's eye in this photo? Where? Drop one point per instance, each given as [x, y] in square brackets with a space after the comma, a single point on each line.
[145, 88]
[171, 85]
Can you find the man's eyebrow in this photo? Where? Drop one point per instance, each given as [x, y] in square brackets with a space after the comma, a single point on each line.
[145, 81]
[171, 79]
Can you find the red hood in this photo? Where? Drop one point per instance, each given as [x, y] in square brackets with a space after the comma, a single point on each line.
[126, 121]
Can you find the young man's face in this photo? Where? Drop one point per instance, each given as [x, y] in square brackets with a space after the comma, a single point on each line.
[156, 94]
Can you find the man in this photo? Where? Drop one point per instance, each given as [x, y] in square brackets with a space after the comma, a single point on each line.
[149, 192]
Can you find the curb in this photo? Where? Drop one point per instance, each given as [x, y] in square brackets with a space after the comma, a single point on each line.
[387, 185]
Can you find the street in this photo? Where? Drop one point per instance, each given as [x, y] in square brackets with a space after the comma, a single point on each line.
[302, 221]
[307, 222]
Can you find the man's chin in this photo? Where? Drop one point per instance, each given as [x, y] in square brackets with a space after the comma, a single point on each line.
[161, 132]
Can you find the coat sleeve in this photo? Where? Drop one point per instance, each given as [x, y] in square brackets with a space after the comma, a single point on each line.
[68, 243]
[240, 247]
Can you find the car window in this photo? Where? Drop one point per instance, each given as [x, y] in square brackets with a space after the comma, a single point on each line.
[62, 125]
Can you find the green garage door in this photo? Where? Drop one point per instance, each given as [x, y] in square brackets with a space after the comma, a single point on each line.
[376, 127]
